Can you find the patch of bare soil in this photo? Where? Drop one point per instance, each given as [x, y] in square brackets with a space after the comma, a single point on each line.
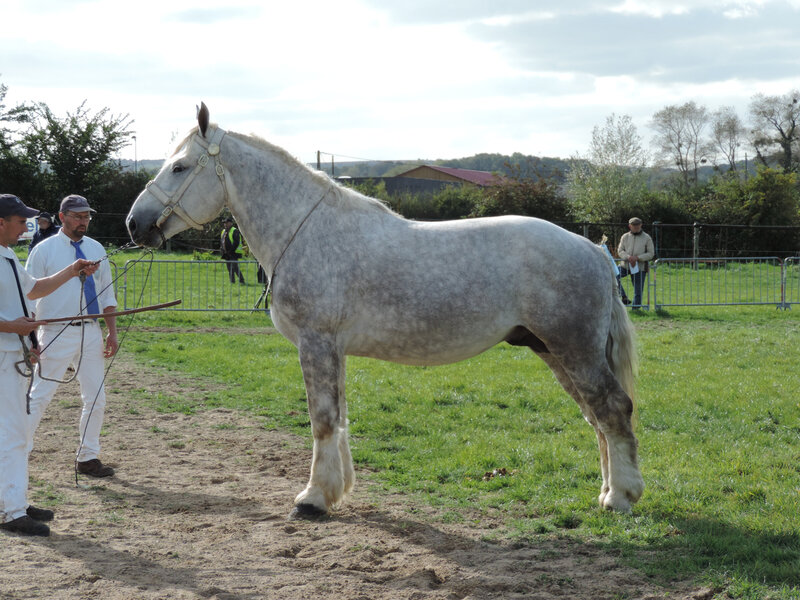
[198, 506]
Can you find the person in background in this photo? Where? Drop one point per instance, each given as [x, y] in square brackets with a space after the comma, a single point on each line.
[16, 515]
[81, 342]
[46, 229]
[636, 250]
[230, 242]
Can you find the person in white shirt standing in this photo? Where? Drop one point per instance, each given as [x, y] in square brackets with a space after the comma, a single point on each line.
[80, 343]
[16, 324]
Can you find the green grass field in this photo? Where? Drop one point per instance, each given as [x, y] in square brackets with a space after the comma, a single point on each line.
[719, 436]
[719, 428]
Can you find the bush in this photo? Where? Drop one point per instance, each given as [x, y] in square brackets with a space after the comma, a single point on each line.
[517, 195]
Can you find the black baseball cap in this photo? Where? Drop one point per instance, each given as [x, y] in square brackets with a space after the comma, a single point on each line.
[75, 203]
[11, 205]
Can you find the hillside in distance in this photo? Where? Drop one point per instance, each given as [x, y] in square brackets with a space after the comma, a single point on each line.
[517, 164]
[527, 166]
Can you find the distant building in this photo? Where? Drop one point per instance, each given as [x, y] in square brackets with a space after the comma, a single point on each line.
[479, 178]
[403, 185]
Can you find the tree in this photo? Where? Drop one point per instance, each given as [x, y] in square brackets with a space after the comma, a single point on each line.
[770, 197]
[19, 174]
[775, 128]
[522, 194]
[77, 150]
[680, 139]
[17, 114]
[612, 177]
[727, 132]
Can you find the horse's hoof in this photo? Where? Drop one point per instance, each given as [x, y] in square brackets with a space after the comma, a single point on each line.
[617, 503]
[306, 512]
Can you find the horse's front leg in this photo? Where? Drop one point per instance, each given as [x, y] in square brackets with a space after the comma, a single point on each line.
[332, 475]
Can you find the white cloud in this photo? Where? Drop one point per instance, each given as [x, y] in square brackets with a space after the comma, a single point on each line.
[419, 78]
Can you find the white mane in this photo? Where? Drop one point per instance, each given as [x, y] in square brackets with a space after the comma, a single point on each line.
[343, 197]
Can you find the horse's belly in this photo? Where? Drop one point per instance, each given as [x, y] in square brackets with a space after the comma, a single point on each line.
[433, 349]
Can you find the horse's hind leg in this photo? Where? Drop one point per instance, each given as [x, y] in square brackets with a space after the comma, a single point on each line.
[602, 443]
[586, 376]
[612, 410]
[332, 474]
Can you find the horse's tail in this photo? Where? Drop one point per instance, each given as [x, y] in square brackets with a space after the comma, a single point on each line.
[621, 349]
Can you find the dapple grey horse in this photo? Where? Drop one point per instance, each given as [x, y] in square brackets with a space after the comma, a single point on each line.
[351, 277]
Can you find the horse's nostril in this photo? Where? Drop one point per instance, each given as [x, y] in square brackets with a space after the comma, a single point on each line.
[131, 225]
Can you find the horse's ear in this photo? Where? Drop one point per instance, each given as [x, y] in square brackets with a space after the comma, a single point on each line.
[202, 118]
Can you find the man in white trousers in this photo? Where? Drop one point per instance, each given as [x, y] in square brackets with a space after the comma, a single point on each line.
[61, 343]
[16, 325]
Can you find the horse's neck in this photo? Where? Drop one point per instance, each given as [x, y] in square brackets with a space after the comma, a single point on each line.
[272, 198]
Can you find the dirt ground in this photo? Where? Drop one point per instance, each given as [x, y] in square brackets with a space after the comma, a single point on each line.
[198, 507]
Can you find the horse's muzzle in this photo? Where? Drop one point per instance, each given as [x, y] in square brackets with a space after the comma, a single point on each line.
[150, 237]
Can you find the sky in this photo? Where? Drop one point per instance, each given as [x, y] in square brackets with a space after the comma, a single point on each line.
[396, 79]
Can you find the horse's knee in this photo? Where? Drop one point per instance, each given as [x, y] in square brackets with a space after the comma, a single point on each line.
[612, 411]
[324, 419]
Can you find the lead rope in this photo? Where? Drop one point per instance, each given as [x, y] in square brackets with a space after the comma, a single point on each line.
[80, 354]
[267, 287]
[27, 353]
[119, 346]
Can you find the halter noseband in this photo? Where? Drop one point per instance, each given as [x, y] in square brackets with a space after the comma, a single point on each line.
[173, 204]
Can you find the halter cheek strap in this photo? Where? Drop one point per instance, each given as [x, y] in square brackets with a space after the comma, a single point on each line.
[173, 204]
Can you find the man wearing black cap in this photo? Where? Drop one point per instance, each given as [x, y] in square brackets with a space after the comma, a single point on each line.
[230, 242]
[16, 515]
[46, 229]
[81, 343]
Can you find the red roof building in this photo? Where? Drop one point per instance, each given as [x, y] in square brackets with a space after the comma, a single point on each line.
[479, 178]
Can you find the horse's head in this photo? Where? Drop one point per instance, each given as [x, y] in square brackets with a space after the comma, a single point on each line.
[189, 191]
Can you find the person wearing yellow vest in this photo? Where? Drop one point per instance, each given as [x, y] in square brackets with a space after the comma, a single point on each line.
[230, 242]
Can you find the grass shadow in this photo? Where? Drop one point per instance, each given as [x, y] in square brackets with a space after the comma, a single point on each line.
[710, 549]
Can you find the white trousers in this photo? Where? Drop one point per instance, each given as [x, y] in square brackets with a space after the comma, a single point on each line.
[63, 352]
[14, 424]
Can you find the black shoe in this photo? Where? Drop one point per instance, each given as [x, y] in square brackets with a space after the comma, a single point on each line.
[626, 301]
[40, 514]
[26, 526]
[94, 468]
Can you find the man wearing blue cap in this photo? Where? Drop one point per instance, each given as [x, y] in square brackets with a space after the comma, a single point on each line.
[81, 343]
[16, 515]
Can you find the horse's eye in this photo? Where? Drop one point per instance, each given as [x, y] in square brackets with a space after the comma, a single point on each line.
[177, 169]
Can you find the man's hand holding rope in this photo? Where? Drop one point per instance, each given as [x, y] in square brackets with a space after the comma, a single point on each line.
[87, 267]
[23, 326]
[45, 285]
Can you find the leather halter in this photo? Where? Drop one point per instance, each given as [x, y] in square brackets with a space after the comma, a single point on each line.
[173, 204]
